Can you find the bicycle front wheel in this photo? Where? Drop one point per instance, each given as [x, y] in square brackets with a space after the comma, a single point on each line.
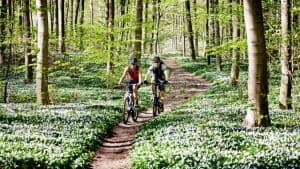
[125, 111]
[154, 107]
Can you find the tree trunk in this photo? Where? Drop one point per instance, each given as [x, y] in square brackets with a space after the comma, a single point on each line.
[235, 68]
[207, 31]
[138, 30]
[146, 28]
[3, 14]
[10, 7]
[91, 12]
[27, 44]
[42, 61]
[51, 11]
[67, 12]
[196, 30]
[77, 12]
[121, 25]
[285, 99]
[56, 20]
[81, 25]
[258, 112]
[111, 18]
[190, 28]
[217, 34]
[71, 17]
[61, 24]
[154, 18]
[158, 17]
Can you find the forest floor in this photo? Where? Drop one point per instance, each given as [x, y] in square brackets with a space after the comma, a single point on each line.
[113, 151]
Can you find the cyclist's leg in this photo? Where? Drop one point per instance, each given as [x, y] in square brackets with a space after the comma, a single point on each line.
[152, 85]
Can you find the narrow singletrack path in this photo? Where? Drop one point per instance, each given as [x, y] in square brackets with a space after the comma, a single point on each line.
[114, 149]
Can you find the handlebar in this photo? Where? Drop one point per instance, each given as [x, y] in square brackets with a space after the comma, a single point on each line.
[156, 83]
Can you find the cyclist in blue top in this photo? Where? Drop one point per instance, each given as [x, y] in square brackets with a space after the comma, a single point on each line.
[158, 72]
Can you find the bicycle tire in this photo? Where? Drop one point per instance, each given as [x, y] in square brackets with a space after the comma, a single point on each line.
[134, 114]
[159, 109]
[154, 107]
[125, 112]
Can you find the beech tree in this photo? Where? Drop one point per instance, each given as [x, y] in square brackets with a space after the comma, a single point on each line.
[285, 98]
[258, 111]
[190, 28]
[138, 30]
[42, 56]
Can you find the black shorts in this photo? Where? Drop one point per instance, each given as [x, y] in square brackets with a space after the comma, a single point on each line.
[161, 85]
[129, 85]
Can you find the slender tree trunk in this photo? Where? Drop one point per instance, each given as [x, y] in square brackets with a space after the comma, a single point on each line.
[42, 61]
[27, 44]
[61, 24]
[56, 20]
[258, 112]
[285, 99]
[138, 30]
[91, 12]
[72, 17]
[146, 28]
[77, 12]
[81, 25]
[183, 34]
[154, 18]
[121, 25]
[20, 12]
[51, 11]
[174, 32]
[3, 14]
[190, 28]
[67, 12]
[111, 18]
[235, 68]
[207, 31]
[196, 30]
[217, 34]
[10, 7]
[158, 17]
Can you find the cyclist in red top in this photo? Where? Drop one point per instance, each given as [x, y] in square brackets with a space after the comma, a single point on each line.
[134, 77]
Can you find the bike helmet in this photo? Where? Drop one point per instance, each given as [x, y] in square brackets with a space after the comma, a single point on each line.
[156, 59]
[133, 60]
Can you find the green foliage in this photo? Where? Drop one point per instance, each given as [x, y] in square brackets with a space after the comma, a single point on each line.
[58, 136]
[62, 135]
[206, 131]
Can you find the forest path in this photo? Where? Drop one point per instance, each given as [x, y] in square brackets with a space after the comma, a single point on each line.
[113, 151]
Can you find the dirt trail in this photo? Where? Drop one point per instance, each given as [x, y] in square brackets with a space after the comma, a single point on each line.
[113, 152]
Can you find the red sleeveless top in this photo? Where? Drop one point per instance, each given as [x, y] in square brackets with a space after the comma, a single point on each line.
[133, 74]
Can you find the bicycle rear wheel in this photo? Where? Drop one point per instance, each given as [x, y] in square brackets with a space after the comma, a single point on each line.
[134, 114]
[159, 107]
[125, 111]
[154, 107]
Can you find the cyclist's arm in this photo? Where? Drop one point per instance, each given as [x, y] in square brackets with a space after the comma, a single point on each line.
[166, 75]
[123, 75]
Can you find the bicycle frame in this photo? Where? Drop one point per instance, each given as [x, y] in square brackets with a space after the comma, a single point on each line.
[156, 99]
[129, 106]
[129, 96]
